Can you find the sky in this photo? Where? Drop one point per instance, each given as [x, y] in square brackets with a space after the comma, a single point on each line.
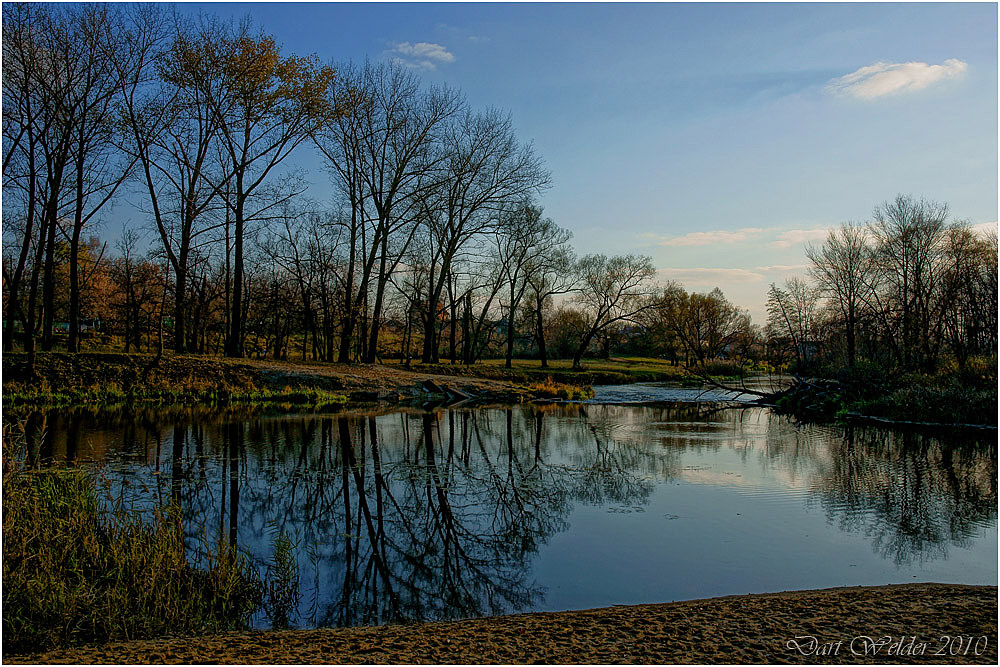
[719, 139]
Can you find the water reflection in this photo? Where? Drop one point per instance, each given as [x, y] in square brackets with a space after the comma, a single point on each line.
[435, 515]
[911, 496]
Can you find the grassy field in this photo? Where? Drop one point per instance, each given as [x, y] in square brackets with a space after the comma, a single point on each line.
[107, 378]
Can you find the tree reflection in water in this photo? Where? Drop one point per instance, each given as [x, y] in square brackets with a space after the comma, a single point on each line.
[911, 495]
[418, 515]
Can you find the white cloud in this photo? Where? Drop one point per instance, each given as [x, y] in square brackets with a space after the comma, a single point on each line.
[983, 227]
[421, 55]
[706, 238]
[798, 236]
[882, 78]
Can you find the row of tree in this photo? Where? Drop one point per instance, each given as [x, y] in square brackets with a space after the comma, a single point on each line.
[434, 229]
[903, 290]
[433, 246]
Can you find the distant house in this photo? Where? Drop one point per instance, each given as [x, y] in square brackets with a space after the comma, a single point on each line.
[85, 324]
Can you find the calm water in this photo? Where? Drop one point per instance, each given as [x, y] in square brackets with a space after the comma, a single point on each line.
[455, 513]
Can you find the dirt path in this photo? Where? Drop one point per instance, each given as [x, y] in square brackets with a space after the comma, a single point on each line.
[736, 629]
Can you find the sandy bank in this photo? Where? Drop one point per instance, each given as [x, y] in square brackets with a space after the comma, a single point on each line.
[928, 618]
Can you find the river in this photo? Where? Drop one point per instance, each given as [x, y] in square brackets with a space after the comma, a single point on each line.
[408, 515]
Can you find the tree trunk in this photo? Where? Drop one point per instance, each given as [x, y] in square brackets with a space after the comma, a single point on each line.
[372, 355]
[29, 333]
[433, 293]
[467, 330]
[452, 334]
[48, 281]
[180, 287]
[582, 349]
[510, 329]
[234, 345]
[851, 342]
[540, 333]
[428, 355]
[73, 344]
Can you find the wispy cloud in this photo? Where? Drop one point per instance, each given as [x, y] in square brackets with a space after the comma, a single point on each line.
[782, 268]
[882, 79]
[794, 237]
[421, 55]
[709, 277]
[706, 238]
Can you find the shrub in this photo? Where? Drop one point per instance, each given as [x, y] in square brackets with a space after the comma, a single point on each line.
[950, 405]
[722, 368]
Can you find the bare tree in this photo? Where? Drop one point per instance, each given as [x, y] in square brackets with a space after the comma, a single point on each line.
[908, 236]
[792, 313]
[611, 290]
[842, 268]
[60, 126]
[525, 242]
[380, 153]
[485, 170]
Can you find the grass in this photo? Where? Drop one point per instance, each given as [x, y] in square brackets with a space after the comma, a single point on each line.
[551, 389]
[61, 379]
[77, 570]
[618, 370]
[109, 379]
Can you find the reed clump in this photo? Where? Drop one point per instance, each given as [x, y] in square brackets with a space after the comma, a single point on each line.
[78, 570]
[552, 389]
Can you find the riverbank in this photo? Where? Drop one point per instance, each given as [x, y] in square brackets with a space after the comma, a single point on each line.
[735, 629]
[112, 378]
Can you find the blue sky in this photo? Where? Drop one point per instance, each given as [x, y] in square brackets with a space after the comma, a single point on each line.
[717, 138]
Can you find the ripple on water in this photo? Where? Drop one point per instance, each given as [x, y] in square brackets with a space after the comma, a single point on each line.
[650, 392]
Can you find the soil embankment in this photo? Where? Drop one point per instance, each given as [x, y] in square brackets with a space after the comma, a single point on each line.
[109, 377]
[924, 623]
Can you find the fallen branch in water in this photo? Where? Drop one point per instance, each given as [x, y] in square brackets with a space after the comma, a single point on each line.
[736, 390]
[857, 416]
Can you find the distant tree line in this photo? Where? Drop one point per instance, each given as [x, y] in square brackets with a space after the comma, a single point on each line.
[905, 290]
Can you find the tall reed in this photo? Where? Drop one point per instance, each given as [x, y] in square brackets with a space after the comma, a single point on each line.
[76, 570]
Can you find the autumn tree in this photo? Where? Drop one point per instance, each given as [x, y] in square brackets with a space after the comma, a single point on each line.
[173, 133]
[706, 324]
[264, 106]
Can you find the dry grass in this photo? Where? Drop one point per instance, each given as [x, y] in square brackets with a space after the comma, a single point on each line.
[77, 569]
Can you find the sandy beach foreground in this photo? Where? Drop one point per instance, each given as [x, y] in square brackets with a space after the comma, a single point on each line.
[909, 623]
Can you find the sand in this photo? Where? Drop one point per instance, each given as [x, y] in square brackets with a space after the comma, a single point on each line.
[927, 623]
